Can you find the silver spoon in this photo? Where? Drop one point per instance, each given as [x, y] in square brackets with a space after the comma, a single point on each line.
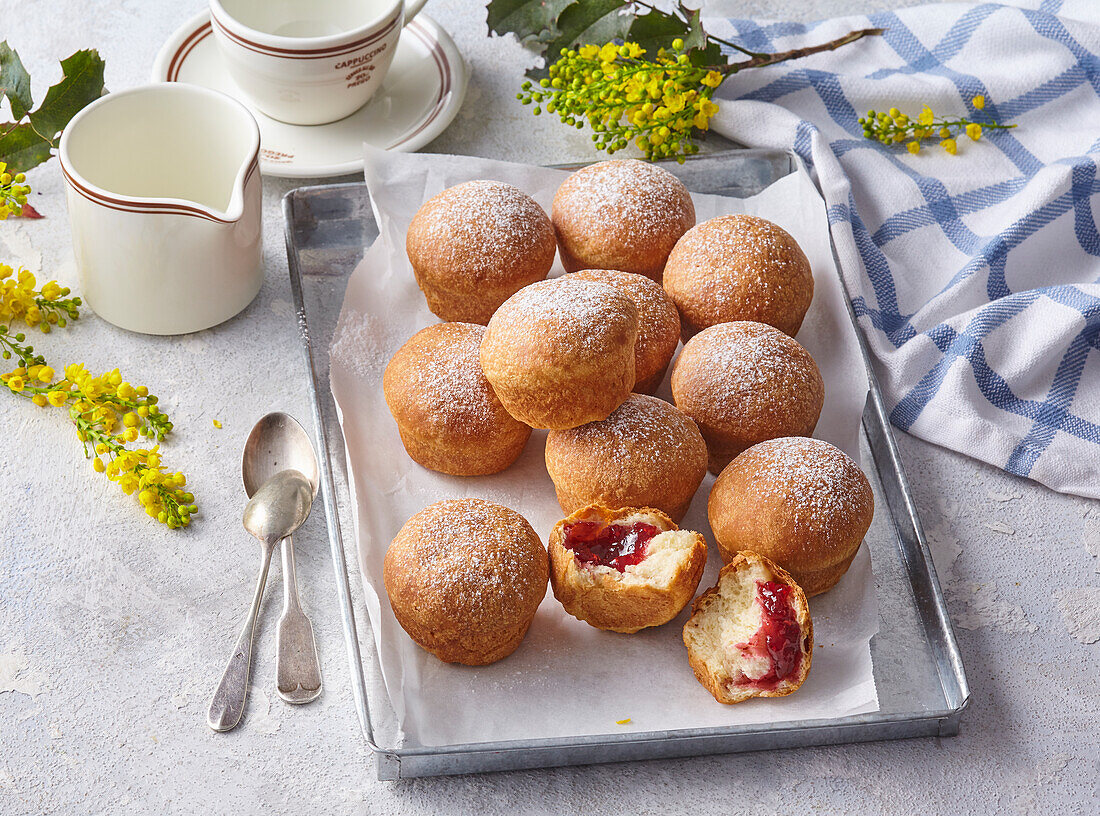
[275, 511]
[277, 441]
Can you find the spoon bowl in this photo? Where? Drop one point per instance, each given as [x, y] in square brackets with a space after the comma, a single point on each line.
[277, 442]
[279, 507]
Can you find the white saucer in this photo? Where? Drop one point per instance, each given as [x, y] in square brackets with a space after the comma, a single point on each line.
[420, 96]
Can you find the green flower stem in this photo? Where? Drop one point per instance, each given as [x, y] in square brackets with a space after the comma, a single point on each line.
[59, 311]
[155, 425]
[12, 345]
[893, 127]
[176, 505]
[956, 125]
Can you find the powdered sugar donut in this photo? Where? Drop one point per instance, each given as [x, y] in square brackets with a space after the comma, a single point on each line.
[658, 323]
[449, 418]
[745, 382]
[464, 578]
[739, 267]
[645, 454]
[560, 353]
[801, 502]
[622, 214]
[474, 245]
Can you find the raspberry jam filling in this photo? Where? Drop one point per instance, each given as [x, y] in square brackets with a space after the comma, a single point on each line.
[778, 638]
[613, 545]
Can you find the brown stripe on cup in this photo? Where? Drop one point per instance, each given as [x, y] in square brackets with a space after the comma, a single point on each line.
[186, 47]
[310, 53]
[444, 68]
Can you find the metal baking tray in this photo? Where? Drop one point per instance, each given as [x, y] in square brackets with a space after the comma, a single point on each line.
[917, 667]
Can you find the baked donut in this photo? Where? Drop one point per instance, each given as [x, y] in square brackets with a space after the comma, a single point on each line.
[658, 324]
[624, 570]
[739, 267]
[645, 454]
[560, 353]
[801, 502]
[449, 418]
[465, 577]
[474, 245]
[745, 382]
[750, 635]
[621, 214]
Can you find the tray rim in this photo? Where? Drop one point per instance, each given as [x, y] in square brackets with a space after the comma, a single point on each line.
[403, 762]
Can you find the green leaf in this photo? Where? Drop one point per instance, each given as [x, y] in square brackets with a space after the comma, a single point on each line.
[702, 51]
[530, 20]
[592, 21]
[657, 30]
[22, 148]
[695, 37]
[15, 82]
[82, 83]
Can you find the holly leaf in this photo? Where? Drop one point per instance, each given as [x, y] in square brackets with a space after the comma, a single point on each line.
[81, 83]
[657, 30]
[589, 21]
[533, 21]
[15, 82]
[22, 147]
[695, 37]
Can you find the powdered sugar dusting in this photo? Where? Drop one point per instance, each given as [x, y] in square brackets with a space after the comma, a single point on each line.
[609, 194]
[568, 310]
[480, 225]
[443, 373]
[357, 343]
[735, 253]
[475, 554]
[658, 321]
[751, 368]
[643, 434]
[817, 481]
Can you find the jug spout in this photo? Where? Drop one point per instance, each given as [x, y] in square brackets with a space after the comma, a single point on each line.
[236, 207]
[164, 147]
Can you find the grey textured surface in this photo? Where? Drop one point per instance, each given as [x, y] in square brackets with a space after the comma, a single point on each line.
[113, 631]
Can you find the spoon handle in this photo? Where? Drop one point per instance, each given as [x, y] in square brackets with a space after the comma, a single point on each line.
[297, 667]
[227, 707]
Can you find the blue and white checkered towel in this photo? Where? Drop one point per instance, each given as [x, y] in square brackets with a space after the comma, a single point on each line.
[976, 278]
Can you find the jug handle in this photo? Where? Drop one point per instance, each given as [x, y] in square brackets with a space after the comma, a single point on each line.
[412, 8]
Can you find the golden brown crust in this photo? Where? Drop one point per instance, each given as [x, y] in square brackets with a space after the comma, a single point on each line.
[449, 418]
[474, 245]
[712, 677]
[621, 214]
[464, 578]
[645, 454]
[739, 267]
[658, 324]
[560, 353]
[743, 383]
[632, 600]
[800, 502]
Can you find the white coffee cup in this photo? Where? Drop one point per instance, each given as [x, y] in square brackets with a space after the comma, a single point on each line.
[308, 62]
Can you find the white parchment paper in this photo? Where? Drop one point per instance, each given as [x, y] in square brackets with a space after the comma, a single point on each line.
[568, 678]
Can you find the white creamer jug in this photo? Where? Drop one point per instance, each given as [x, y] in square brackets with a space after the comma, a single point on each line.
[164, 194]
